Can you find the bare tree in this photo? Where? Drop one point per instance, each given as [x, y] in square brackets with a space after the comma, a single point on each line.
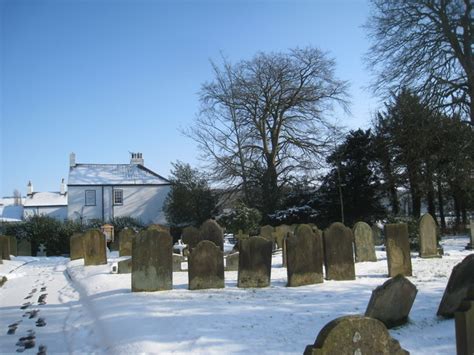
[262, 121]
[428, 46]
[16, 197]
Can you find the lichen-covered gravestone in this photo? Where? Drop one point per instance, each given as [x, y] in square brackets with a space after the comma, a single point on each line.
[377, 235]
[464, 325]
[428, 242]
[177, 260]
[125, 241]
[304, 257]
[255, 262]
[124, 266]
[280, 233]
[391, 303]
[24, 248]
[152, 261]
[354, 335]
[267, 232]
[398, 249]
[206, 266]
[13, 246]
[76, 249]
[364, 242]
[210, 230]
[94, 244]
[4, 247]
[338, 253]
[460, 282]
[232, 262]
[190, 237]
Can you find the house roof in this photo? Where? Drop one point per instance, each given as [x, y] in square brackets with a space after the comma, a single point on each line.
[43, 199]
[10, 212]
[113, 174]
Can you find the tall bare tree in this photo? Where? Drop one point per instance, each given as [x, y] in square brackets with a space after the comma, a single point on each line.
[263, 121]
[428, 46]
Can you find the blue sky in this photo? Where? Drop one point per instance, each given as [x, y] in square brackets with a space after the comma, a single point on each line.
[102, 78]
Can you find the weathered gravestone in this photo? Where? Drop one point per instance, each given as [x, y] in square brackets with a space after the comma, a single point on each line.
[206, 266]
[255, 262]
[211, 231]
[177, 260]
[76, 249]
[470, 245]
[391, 303]
[398, 249]
[125, 241]
[41, 250]
[232, 262]
[94, 244]
[428, 242]
[267, 232]
[24, 248]
[338, 252]
[464, 325]
[190, 237]
[4, 247]
[304, 257]
[152, 261]
[13, 246]
[159, 228]
[354, 335]
[460, 282]
[377, 235]
[115, 244]
[280, 233]
[124, 266]
[364, 242]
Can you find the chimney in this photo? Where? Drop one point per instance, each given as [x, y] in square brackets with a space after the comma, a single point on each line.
[63, 187]
[137, 159]
[72, 160]
[30, 189]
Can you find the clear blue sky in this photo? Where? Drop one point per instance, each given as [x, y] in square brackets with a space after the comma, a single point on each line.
[102, 78]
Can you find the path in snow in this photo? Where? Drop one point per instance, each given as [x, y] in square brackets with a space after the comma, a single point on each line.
[41, 311]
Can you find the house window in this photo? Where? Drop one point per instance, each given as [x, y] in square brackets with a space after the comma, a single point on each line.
[90, 198]
[118, 197]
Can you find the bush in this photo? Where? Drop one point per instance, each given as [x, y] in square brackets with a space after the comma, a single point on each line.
[241, 218]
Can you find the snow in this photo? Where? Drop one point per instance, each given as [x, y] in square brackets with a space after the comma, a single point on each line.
[45, 199]
[95, 311]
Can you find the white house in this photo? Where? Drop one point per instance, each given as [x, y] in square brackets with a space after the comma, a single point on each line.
[11, 209]
[107, 191]
[51, 204]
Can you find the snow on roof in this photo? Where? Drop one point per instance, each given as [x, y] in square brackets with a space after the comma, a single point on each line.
[113, 174]
[45, 199]
[11, 212]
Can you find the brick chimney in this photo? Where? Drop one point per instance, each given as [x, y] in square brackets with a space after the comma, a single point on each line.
[137, 159]
[29, 189]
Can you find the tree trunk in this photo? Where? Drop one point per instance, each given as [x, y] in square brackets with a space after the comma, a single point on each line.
[441, 204]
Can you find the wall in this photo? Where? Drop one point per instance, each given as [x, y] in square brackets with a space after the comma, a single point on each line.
[57, 212]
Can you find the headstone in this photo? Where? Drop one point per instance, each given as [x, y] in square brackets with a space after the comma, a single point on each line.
[232, 262]
[210, 230]
[177, 260]
[391, 303]
[460, 281]
[470, 245]
[267, 232]
[364, 242]
[377, 235]
[190, 237]
[24, 248]
[354, 335]
[93, 244]
[115, 244]
[206, 266]
[159, 228]
[464, 325]
[152, 261]
[428, 242]
[304, 257]
[124, 266]
[338, 252]
[125, 241]
[76, 249]
[255, 262]
[280, 233]
[13, 246]
[398, 249]
[4, 247]
[41, 250]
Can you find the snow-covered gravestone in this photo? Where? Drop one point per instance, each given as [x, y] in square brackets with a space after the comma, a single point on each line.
[94, 245]
[255, 262]
[206, 266]
[126, 236]
[124, 266]
[4, 247]
[398, 249]
[364, 242]
[354, 335]
[338, 252]
[304, 257]
[210, 230]
[152, 261]
[464, 323]
[428, 243]
[232, 262]
[76, 249]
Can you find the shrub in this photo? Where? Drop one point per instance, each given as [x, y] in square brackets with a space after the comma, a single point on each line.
[241, 218]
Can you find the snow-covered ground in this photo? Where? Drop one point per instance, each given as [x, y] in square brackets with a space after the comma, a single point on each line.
[91, 310]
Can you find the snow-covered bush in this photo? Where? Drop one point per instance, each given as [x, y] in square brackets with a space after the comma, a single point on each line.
[241, 218]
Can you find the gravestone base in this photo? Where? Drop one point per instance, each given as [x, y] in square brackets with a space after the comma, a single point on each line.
[470, 246]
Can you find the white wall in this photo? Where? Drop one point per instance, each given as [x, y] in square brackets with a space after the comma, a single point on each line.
[76, 203]
[58, 212]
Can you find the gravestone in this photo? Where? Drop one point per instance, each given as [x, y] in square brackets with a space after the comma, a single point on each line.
[190, 237]
[4, 247]
[364, 242]
[428, 242]
[13, 246]
[354, 335]
[470, 245]
[177, 260]
[124, 266]
[338, 252]
[255, 262]
[280, 233]
[76, 249]
[398, 249]
[377, 235]
[152, 261]
[24, 248]
[125, 241]
[114, 245]
[41, 250]
[94, 244]
[460, 282]
[232, 262]
[159, 228]
[206, 266]
[464, 325]
[211, 231]
[391, 303]
[304, 257]
[267, 232]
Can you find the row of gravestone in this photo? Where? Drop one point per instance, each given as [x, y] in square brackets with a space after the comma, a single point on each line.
[10, 246]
